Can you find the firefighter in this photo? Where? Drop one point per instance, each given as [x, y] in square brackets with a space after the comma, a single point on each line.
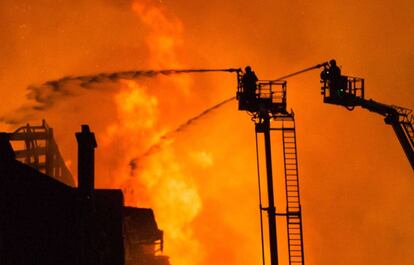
[338, 82]
[334, 71]
[249, 80]
[333, 75]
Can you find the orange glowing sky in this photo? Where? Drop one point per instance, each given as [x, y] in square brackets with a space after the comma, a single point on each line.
[357, 186]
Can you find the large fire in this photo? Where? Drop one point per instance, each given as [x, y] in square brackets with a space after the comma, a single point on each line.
[159, 180]
[201, 181]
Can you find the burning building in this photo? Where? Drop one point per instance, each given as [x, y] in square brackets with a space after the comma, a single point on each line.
[46, 221]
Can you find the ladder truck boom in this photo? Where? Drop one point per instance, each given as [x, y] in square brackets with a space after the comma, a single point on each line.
[266, 102]
[348, 91]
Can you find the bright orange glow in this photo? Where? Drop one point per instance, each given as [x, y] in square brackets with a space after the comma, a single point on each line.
[159, 181]
[355, 181]
[135, 103]
[168, 188]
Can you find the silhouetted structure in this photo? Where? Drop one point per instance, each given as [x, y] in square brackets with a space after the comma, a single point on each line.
[268, 111]
[143, 238]
[44, 221]
[37, 148]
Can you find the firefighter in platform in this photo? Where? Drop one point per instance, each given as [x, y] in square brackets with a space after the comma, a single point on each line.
[332, 73]
[249, 81]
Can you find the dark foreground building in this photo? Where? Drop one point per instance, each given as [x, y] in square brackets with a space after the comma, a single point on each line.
[46, 222]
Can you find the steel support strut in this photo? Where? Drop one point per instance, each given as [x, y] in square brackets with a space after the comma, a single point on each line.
[271, 209]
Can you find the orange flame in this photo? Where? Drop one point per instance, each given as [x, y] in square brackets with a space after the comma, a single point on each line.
[160, 181]
[348, 161]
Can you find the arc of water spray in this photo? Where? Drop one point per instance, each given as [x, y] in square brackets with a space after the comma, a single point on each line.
[87, 80]
[45, 95]
[157, 146]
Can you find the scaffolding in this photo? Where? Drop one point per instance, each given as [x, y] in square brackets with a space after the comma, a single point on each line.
[36, 147]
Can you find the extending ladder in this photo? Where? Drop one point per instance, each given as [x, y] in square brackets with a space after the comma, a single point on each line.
[293, 207]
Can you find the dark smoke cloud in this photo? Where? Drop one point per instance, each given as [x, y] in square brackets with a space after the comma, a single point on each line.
[157, 146]
[43, 97]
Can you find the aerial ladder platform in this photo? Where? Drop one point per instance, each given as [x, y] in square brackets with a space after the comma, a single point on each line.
[348, 91]
[266, 103]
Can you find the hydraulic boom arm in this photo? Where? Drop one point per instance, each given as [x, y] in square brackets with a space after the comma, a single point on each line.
[349, 92]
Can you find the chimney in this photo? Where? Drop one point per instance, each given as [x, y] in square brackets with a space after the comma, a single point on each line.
[86, 161]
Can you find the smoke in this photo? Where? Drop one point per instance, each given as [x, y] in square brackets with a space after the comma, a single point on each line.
[44, 96]
[356, 184]
[157, 146]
